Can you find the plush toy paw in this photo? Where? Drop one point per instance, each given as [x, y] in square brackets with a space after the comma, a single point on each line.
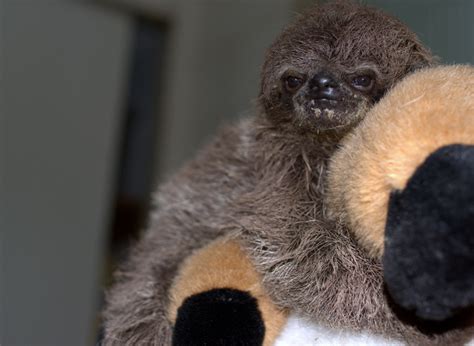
[219, 317]
[218, 299]
[429, 244]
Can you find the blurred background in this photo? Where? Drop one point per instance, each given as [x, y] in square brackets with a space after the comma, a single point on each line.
[101, 101]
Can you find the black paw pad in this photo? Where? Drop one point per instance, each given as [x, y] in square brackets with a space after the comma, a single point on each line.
[429, 240]
[219, 317]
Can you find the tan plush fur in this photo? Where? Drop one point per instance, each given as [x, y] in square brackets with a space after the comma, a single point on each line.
[424, 112]
[223, 264]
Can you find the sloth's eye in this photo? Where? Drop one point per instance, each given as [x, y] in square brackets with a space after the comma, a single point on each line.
[293, 83]
[363, 83]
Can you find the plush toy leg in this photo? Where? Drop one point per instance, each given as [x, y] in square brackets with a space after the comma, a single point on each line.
[218, 299]
[429, 245]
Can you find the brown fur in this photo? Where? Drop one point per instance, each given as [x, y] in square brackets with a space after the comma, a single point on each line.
[424, 112]
[223, 264]
[265, 178]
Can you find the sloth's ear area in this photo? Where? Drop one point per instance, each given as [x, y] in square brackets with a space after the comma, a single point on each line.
[427, 110]
[218, 299]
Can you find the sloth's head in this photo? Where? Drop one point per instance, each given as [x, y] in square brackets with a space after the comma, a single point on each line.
[326, 69]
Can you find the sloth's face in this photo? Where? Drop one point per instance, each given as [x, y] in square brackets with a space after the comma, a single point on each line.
[325, 98]
[331, 65]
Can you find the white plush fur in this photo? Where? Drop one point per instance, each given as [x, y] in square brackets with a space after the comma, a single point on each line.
[301, 332]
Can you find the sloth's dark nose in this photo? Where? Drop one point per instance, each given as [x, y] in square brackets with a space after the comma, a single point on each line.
[324, 86]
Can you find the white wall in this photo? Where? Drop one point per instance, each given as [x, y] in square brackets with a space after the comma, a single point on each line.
[64, 66]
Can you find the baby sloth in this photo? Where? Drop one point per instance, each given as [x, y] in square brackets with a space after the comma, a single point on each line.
[263, 178]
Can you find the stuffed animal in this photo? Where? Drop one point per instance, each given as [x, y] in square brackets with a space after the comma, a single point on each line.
[402, 182]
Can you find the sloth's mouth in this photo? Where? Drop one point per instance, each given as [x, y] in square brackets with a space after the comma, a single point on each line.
[325, 113]
[314, 103]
